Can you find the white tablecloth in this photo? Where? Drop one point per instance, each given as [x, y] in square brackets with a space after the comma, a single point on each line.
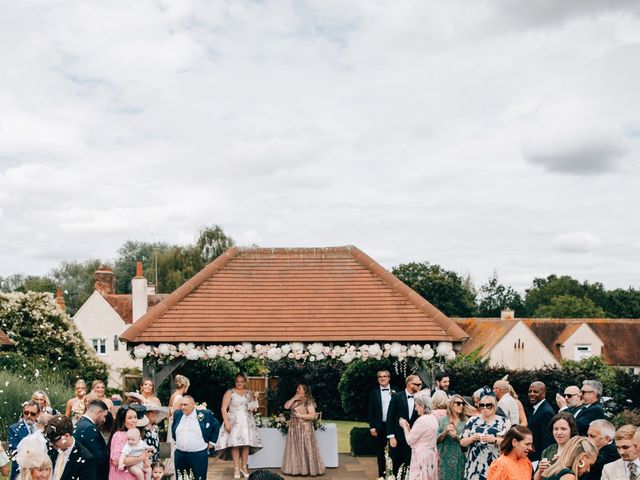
[270, 456]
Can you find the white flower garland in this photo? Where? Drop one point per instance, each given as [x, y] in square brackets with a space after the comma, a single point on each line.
[310, 352]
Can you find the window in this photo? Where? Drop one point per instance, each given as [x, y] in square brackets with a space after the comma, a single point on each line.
[116, 343]
[583, 351]
[99, 345]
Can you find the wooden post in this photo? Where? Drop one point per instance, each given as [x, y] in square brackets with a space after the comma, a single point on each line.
[158, 371]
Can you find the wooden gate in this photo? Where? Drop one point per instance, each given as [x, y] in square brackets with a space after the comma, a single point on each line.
[261, 387]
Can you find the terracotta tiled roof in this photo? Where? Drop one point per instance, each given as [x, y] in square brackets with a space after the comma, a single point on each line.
[298, 294]
[121, 303]
[484, 333]
[555, 331]
[5, 341]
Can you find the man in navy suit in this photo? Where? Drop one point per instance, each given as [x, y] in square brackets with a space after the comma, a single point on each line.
[195, 432]
[20, 429]
[402, 406]
[591, 407]
[71, 461]
[540, 420]
[379, 399]
[87, 434]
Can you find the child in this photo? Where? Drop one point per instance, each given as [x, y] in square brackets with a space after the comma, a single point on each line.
[135, 447]
[157, 471]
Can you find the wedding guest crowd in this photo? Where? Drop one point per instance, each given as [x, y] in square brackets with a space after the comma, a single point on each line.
[494, 439]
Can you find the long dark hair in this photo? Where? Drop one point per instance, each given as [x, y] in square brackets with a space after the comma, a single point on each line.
[118, 422]
[517, 433]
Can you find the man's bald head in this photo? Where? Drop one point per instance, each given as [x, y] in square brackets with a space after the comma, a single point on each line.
[537, 392]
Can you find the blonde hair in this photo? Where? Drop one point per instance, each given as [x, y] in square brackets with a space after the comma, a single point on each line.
[439, 400]
[182, 381]
[467, 412]
[573, 454]
[625, 432]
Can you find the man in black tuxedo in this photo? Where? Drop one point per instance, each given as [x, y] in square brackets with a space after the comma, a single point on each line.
[379, 399]
[70, 459]
[591, 407]
[88, 435]
[401, 406]
[540, 420]
[601, 432]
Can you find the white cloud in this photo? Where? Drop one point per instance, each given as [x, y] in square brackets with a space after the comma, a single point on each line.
[577, 242]
[399, 128]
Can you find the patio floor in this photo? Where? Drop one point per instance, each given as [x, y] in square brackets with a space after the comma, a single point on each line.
[350, 468]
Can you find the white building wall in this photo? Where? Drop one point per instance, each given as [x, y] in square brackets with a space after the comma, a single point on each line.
[96, 319]
[583, 336]
[520, 348]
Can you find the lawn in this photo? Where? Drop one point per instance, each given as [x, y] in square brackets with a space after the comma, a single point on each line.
[344, 427]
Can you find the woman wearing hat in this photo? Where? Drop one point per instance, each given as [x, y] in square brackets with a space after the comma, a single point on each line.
[155, 414]
[33, 461]
[129, 416]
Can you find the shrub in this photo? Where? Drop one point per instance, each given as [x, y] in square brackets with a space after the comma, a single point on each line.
[209, 380]
[323, 378]
[46, 336]
[361, 442]
[627, 417]
[17, 388]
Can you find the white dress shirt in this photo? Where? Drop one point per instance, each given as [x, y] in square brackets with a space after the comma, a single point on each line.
[61, 461]
[535, 407]
[409, 403]
[188, 434]
[385, 396]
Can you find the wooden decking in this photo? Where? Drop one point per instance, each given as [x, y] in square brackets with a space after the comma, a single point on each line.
[356, 468]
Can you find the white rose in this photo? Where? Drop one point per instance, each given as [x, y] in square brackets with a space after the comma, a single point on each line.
[444, 348]
[192, 354]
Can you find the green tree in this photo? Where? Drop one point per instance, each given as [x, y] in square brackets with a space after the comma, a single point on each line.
[129, 254]
[545, 289]
[568, 306]
[621, 303]
[443, 288]
[495, 297]
[27, 283]
[76, 279]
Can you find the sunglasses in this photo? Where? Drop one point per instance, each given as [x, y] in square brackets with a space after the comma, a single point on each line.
[417, 384]
[30, 414]
[460, 404]
[569, 395]
[485, 405]
[587, 391]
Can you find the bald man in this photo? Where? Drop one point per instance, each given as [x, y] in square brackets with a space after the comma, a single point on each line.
[506, 403]
[540, 419]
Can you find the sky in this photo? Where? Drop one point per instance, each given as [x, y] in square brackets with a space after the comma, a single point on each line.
[486, 136]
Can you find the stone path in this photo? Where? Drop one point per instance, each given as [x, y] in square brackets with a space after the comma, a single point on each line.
[356, 468]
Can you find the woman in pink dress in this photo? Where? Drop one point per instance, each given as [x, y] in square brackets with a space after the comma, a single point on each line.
[126, 418]
[422, 438]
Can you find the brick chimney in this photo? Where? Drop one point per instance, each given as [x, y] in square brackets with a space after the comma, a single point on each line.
[60, 299]
[104, 280]
[138, 293]
[507, 314]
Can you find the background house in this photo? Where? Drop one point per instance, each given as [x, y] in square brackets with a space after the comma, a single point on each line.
[106, 314]
[530, 343]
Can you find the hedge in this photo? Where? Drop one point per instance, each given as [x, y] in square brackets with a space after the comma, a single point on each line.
[361, 441]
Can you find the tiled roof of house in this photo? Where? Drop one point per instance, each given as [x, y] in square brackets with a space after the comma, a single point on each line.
[484, 333]
[121, 303]
[297, 294]
[5, 341]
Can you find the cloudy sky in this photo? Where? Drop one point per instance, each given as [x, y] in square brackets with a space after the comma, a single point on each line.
[481, 135]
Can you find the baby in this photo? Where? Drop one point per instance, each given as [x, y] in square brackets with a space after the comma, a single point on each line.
[135, 447]
[157, 471]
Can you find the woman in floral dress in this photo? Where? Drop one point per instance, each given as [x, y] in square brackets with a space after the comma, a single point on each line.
[482, 435]
[239, 438]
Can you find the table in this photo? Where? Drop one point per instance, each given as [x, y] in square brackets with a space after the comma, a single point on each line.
[273, 441]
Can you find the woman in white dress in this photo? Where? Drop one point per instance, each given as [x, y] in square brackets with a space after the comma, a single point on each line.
[239, 438]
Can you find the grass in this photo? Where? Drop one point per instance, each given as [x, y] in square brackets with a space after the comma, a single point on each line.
[344, 427]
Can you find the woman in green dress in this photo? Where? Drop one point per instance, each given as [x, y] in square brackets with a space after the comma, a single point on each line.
[450, 428]
[575, 460]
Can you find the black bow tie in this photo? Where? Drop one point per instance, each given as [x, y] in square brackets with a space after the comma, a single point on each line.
[385, 389]
[409, 396]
